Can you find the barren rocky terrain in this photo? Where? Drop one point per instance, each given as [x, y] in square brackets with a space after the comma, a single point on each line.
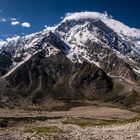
[79, 123]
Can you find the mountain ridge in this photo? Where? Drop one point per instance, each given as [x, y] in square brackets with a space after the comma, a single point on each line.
[84, 46]
[94, 27]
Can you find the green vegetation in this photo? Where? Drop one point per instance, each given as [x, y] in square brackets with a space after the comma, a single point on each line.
[45, 130]
[53, 132]
[86, 122]
[97, 122]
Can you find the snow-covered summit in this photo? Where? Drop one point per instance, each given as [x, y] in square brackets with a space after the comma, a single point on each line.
[85, 29]
[117, 26]
[89, 36]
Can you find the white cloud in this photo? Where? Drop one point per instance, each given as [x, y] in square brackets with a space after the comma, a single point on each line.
[2, 19]
[15, 22]
[26, 24]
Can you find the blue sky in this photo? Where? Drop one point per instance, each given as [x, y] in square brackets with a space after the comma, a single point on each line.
[20, 17]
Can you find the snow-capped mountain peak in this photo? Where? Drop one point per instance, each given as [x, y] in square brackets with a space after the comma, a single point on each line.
[117, 26]
[86, 36]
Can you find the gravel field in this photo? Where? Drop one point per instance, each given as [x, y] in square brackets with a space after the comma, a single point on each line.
[96, 127]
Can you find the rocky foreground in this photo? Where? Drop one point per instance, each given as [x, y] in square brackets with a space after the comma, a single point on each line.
[129, 131]
[100, 123]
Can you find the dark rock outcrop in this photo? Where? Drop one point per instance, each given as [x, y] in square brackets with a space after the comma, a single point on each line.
[57, 77]
[5, 62]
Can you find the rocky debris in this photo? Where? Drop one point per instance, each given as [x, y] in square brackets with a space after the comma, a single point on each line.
[129, 131]
[121, 132]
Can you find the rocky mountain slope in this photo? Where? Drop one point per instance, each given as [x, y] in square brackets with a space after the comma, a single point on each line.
[77, 59]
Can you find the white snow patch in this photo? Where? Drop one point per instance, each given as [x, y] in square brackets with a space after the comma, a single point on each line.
[136, 69]
[13, 39]
[2, 43]
[17, 65]
[97, 64]
[138, 42]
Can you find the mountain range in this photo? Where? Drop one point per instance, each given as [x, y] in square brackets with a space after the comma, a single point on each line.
[88, 56]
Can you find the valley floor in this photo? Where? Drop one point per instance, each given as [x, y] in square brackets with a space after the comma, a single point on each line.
[79, 123]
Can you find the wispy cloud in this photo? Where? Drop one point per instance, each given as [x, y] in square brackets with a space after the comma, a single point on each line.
[26, 24]
[2, 19]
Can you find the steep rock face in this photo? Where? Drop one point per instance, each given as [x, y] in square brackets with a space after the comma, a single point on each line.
[57, 77]
[116, 67]
[90, 80]
[93, 41]
[5, 62]
[108, 61]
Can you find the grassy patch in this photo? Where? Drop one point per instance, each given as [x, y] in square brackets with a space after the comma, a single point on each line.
[98, 122]
[45, 130]
[87, 122]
